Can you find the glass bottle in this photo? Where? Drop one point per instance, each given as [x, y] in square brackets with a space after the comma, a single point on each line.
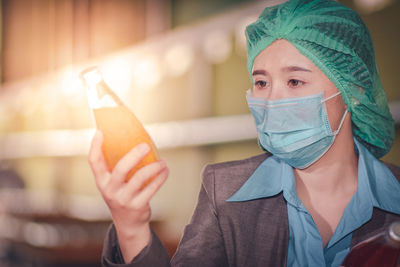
[380, 250]
[120, 127]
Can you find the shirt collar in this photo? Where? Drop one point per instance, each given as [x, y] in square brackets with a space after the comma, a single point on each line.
[261, 185]
[382, 185]
[376, 183]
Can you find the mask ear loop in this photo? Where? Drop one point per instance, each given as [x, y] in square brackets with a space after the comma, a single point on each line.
[330, 97]
[343, 117]
[341, 123]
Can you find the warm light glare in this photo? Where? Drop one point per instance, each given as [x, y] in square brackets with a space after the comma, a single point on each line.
[118, 75]
[146, 73]
[71, 86]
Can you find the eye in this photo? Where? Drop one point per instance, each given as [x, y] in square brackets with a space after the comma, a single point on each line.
[260, 84]
[295, 83]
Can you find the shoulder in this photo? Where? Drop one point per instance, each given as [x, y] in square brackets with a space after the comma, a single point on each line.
[254, 160]
[394, 169]
[233, 169]
[226, 178]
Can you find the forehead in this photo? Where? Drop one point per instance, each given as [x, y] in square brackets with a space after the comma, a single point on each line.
[281, 53]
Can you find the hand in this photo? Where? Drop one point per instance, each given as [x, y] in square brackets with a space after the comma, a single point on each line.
[128, 201]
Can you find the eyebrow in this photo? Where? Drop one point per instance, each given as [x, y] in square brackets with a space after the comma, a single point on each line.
[259, 72]
[285, 69]
[295, 68]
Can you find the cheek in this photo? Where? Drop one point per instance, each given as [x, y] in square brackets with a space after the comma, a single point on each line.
[328, 86]
[335, 109]
[259, 93]
[335, 106]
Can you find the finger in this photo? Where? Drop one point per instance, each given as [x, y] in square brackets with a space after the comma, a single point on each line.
[96, 157]
[149, 191]
[128, 162]
[139, 179]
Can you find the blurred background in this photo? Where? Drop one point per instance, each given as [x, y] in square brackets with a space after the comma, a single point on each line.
[179, 65]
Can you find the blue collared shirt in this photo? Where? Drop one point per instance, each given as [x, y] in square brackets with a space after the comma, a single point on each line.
[377, 187]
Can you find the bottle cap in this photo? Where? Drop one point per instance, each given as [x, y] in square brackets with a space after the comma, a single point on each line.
[91, 75]
[394, 231]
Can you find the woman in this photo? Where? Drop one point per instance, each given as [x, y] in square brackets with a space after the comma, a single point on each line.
[321, 111]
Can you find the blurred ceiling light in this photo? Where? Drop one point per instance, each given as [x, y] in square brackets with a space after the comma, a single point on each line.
[217, 46]
[202, 131]
[146, 73]
[117, 74]
[178, 59]
[240, 38]
[370, 6]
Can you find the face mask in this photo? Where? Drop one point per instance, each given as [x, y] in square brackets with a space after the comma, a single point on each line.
[296, 130]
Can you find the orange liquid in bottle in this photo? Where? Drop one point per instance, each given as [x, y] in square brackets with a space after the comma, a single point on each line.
[122, 131]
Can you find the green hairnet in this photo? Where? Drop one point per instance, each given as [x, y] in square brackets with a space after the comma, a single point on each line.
[336, 40]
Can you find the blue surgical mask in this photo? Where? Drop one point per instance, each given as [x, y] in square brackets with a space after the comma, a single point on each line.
[296, 130]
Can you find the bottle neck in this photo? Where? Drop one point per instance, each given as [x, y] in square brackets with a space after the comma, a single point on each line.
[100, 96]
[99, 93]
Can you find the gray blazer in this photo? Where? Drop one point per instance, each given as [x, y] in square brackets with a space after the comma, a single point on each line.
[251, 233]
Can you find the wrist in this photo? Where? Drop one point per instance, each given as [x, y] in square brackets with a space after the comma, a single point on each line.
[132, 232]
[133, 240]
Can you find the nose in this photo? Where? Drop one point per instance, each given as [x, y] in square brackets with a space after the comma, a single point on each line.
[276, 92]
[274, 95]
